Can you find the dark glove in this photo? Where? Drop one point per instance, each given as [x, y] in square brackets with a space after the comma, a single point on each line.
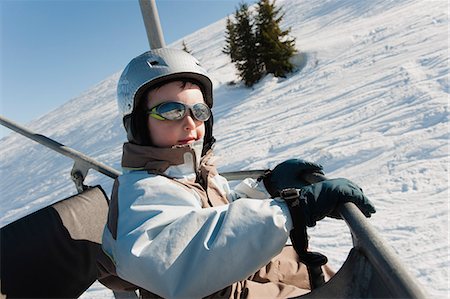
[288, 174]
[318, 200]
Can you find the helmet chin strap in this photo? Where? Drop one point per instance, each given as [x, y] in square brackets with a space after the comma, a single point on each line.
[209, 139]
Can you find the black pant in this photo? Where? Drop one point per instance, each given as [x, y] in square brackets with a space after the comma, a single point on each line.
[52, 253]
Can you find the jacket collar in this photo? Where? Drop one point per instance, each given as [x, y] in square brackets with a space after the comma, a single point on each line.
[178, 161]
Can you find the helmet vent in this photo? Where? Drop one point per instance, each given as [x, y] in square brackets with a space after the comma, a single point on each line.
[152, 63]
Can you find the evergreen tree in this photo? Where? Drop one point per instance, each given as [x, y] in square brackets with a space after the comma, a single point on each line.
[185, 48]
[274, 45]
[230, 39]
[249, 66]
[241, 46]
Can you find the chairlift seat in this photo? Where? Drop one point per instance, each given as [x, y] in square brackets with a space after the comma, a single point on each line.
[52, 252]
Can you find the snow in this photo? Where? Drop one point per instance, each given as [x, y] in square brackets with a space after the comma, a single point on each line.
[369, 102]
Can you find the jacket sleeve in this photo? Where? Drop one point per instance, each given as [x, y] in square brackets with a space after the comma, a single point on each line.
[167, 244]
[251, 188]
[247, 188]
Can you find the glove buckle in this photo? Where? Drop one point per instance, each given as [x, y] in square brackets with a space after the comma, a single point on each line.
[291, 196]
[289, 193]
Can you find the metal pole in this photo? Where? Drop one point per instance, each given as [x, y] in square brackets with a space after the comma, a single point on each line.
[243, 174]
[152, 25]
[396, 277]
[60, 148]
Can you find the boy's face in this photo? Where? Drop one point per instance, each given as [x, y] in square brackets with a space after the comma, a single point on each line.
[167, 133]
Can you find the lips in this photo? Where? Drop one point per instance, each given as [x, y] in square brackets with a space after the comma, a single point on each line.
[187, 140]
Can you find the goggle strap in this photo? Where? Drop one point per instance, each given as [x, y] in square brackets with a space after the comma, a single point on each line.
[157, 116]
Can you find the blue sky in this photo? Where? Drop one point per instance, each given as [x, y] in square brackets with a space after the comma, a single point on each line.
[51, 51]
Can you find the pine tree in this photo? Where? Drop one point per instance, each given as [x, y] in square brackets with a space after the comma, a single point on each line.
[230, 39]
[185, 48]
[249, 66]
[274, 45]
[241, 46]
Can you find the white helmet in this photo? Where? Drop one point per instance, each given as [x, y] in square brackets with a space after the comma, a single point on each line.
[151, 69]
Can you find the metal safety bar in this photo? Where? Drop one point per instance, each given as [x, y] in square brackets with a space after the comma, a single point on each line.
[152, 25]
[82, 162]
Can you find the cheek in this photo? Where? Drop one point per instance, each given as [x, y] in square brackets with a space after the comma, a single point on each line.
[161, 133]
[200, 131]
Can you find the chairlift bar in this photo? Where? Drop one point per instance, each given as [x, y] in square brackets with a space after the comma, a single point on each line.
[152, 24]
[395, 276]
[243, 174]
[60, 148]
[383, 258]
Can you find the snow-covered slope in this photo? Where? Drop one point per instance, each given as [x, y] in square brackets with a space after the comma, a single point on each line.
[370, 103]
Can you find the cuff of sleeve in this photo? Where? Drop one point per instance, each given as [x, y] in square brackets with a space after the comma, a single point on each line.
[250, 188]
[287, 214]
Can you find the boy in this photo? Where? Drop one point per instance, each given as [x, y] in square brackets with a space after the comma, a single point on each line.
[175, 229]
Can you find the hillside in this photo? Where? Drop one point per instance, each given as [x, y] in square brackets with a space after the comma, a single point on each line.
[370, 103]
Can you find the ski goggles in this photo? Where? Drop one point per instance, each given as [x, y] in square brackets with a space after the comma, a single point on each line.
[177, 111]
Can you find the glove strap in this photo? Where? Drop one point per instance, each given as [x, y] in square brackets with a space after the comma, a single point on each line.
[299, 237]
[265, 178]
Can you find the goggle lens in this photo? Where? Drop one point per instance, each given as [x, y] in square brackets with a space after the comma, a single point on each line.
[177, 110]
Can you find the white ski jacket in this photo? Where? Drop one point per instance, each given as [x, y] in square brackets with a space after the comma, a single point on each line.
[179, 238]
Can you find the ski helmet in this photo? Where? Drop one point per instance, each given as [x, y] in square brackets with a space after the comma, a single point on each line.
[154, 68]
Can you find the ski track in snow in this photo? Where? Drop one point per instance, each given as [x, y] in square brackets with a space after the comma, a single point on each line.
[369, 104]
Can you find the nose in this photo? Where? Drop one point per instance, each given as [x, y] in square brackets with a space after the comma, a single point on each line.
[189, 121]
